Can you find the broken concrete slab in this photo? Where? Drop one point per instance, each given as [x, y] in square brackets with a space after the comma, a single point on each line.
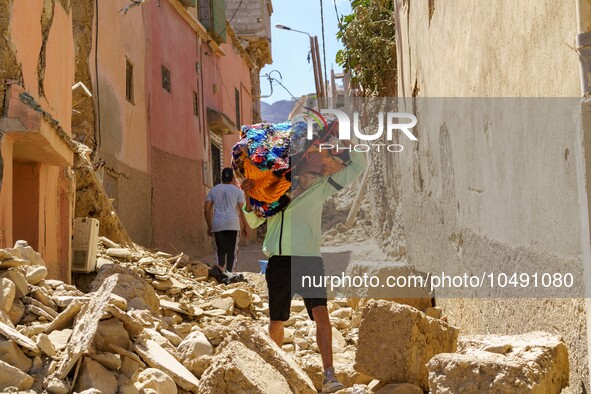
[93, 375]
[400, 356]
[257, 340]
[11, 376]
[237, 369]
[86, 326]
[156, 357]
[535, 362]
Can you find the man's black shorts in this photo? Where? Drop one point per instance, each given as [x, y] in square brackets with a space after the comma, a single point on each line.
[284, 275]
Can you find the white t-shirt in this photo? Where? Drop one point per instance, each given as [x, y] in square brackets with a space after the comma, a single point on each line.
[225, 198]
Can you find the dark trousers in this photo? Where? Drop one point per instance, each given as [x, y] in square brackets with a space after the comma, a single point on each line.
[227, 246]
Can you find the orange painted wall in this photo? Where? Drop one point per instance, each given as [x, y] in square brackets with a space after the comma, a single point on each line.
[35, 199]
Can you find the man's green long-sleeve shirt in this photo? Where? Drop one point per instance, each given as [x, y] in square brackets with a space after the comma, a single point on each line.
[297, 230]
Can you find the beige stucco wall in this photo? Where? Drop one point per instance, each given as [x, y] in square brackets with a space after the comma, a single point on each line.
[470, 194]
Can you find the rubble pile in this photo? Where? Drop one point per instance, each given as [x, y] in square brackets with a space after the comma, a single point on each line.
[150, 322]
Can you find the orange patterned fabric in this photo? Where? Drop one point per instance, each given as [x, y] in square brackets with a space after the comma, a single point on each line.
[268, 187]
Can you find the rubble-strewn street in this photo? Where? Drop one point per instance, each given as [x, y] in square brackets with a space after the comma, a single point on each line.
[150, 322]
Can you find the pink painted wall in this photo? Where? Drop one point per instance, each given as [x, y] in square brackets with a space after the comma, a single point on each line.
[173, 126]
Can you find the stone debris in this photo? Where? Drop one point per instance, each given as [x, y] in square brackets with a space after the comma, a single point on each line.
[535, 362]
[396, 342]
[237, 369]
[150, 322]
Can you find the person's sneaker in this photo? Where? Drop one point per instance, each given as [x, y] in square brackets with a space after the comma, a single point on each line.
[330, 384]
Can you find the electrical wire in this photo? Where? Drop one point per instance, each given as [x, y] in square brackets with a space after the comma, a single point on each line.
[323, 45]
[230, 21]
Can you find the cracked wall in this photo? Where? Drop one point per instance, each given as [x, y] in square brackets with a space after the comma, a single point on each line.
[468, 194]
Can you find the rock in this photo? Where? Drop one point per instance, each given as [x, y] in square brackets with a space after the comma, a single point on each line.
[342, 313]
[434, 312]
[20, 339]
[92, 375]
[338, 341]
[7, 294]
[21, 285]
[400, 356]
[400, 388]
[66, 318]
[60, 338]
[108, 360]
[12, 354]
[288, 347]
[199, 269]
[156, 380]
[11, 376]
[36, 274]
[126, 385]
[257, 340]
[162, 285]
[237, 369]
[120, 253]
[130, 287]
[108, 243]
[130, 366]
[114, 331]
[297, 306]
[118, 301]
[172, 337]
[288, 335]
[56, 386]
[17, 312]
[535, 362]
[29, 253]
[225, 304]
[45, 344]
[343, 366]
[415, 296]
[242, 298]
[156, 357]
[194, 346]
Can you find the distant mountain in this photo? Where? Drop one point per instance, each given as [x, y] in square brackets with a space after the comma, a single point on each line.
[277, 112]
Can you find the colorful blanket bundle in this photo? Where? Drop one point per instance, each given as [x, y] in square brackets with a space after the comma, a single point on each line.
[267, 153]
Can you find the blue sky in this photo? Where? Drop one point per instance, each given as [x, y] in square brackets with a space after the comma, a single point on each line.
[290, 49]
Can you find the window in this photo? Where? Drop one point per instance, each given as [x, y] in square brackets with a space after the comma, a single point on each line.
[129, 81]
[237, 100]
[195, 104]
[165, 79]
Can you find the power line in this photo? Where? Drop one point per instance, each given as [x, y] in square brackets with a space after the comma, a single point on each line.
[323, 46]
[230, 21]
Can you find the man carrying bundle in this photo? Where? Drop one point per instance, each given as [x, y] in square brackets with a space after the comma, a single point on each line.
[292, 244]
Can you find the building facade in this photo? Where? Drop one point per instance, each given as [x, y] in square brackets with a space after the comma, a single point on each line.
[173, 90]
[36, 79]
